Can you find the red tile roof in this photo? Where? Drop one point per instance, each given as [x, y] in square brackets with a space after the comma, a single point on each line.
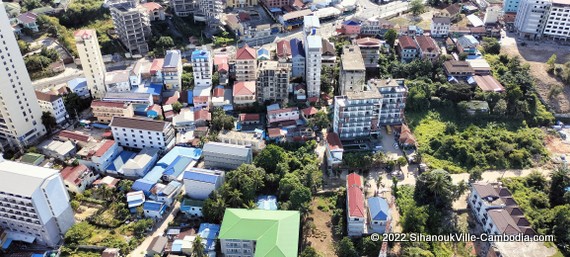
[202, 115]
[85, 33]
[218, 92]
[368, 41]
[244, 88]
[283, 48]
[46, 97]
[72, 174]
[246, 53]
[151, 6]
[222, 62]
[200, 99]
[407, 42]
[249, 116]
[309, 111]
[154, 107]
[28, 17]
[284, 110]
[112, 104]
[274, 132]
[333, 140]
[104, 148]
[355, 195]
[156, 65]
[73, 135]
[488, 83]
[171, 100]
[426, 43]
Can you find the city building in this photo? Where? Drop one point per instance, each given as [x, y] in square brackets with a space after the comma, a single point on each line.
[155, 11]
[132, 24]
[378, 214]
[20, 112]
[557, 25]
[209, 12]
[192, 207]
[260, 233]
[375, 26]
[355, 205]
[79, 86]
[248, 122]
[511, 5]
[59, 150]
[78, 178]
[226, 156]
[91, 61]
[54, 105]
[356, 114]
[76, 137]
[154, 209]
[253, 140]
[35, 159]
[183, 8]
[104, 111]
[294, 19]
[458, 69]
[172, 70]
[352, 70]
[467, 44]
[488, 83]
[241, 3]
[166, 193]
[281, 115]
[480, 66]
[34, 203]
[221, 62]
[140, 164]
[140, 133]
[428, 48]
[118, 81]
[370, 49]
[244, 93]
[99, 155]
[492, 14]
[28, 20]
[440, 26]
[200, 183]
[272, 81]
[275, 3]
[407, 48]
[202, 62]
[313, 53]
[394, 93]
[283, 50]
[246, 64]
[328, 53]
[334, 150]
[297, 58]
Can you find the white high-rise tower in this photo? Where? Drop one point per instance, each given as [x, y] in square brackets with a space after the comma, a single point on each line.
[313, 55]
[20, 113]
[91, 61]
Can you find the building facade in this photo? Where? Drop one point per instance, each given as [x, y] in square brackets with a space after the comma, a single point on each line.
[440, 26]
[297, 58]
[246, 64]
[34, 204]
[272, 81]
[370, 50]
[285, 114]
[252, 140]
[54, 105]
[132, 24]
[105, 111]
[226, 156]
[407, 48]
[394, 93]
[140, 133]
[20, 113]
[200, 183]
[99, 155]
[184, 8]
[202, 68]
[558, 25]
[91, 61]
[511, 5]
[352, 70]
[172, 70]
[356, 114]
[244, 93]
[428, 48]
[355, 218]
[313, 55]
[531, 18]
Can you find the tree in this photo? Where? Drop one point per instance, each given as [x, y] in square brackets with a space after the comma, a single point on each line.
[417, 7]
[435, 188]
[551, 63]
[370, 248]
[234, 198]
[125, 185]
[491, 45]
[48, 121]
[214, 208]
[247, 178]
[176, 107]
[416, 252]
[415, 219]
[560, 180]
[24, 46]
[287, 184]
[500, 108]
[187, 80]
[475, 175]
[309, 252]
[390, 37]
[270, 157]
[163, 43]
[402, 161]
[198, 249]
[78, 233]
[216, 78]
[299, 197]
[141, 226]
[319, 120]
[345, 248]
[221, 121]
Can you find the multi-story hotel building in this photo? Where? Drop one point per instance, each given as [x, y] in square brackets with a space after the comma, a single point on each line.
[91, 61]
[272, 81]
[52, 104]
[140, 133]
[246, 64]
[172, 70]
[356, 114]
[313, 55]
[202, 67]
[105, 111]
[394, 93]
[132, 24]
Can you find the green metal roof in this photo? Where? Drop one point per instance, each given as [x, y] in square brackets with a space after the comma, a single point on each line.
[276, 232]
[30, 158]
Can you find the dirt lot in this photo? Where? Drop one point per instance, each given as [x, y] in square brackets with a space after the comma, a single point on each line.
[555, 145]
[322, 237]
[86, 212]
[536, 54]
[423, 21]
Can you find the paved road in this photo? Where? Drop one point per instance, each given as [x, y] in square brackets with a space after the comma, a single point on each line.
[141, 249]
[71, 72]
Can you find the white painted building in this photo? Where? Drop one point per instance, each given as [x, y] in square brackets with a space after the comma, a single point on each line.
[272, 81]
[54, 105]
[558, 24]
[285, 114]
[172, 70]
[34, 205]
[356, 114]
[78, 178]
[313, 55]
[394, 93]
[99, 155]
[141, 163]
[356, 214]
[202, 63]
[199, 183]
[91, 61]
[140, 133]
[334, 150]
[440, 26]
[118, 81]
[20, 113]
[253, 140]
[226, 156]
[531, 17]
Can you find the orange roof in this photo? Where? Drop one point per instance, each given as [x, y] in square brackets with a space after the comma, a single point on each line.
[73, 174]
[202, 115]
[85, 33]
[200, 99]
[73, 135]
[249, 116]
[310, 111]
[244, 88]
[151, 6]
[171, 100]
[246, 53]
[104, 148]
[218, 92]
[156, 65]
[274, 132]
[334, 141]
[97, 103]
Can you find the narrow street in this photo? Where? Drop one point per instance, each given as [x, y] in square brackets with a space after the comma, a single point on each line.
[140, 251]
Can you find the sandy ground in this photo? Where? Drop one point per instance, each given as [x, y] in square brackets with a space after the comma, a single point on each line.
[536, 53]
[86, 212]
[322, 237]
[556, 145]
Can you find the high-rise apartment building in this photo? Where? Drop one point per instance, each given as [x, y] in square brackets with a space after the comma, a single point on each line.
[352, 71]
[511, 5]
[394, 93]
[20, 113]
[558, 23]
[313, 55]
[547, 18]
[91, 61]
[272, 81]
[202, 62]
[34, 205]
[356, 114]
[184, 8]
[172, 70]
[209, 11]
[132, 24]
[246, 64]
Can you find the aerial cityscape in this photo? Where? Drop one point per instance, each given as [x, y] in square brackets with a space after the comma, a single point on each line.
[284, 128]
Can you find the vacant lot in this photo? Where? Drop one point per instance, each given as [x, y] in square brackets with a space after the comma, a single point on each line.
[536, 54]
[321, 237]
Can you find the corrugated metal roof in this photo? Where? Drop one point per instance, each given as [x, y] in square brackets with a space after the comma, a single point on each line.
[197, 175]
[230, 149]
[172, 58]
[379, 209]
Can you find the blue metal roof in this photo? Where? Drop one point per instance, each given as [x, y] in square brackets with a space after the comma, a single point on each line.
[351, 23]
[267, 202]
[379, 209]
[7, 243]
[154, 89]
[209, 232]
[297, 47]
[262, 51]
[144, 185]
[275, 9]
[190, 97]
[172, 58]
[178, 165]
[200, 176]
[77, 83]
[200, 54]
[124, 156]
[152, 206]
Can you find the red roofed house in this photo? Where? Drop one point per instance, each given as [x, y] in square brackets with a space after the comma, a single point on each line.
[334, 150]
[28, 20]
[246, 64]
[155, 11]
[488, 83]
[406, 139]
[428, 47]
[219, 97]
[276, 134]
[202, 117]
[309, 111]
[280, 115]
[355, 204]
[223, 68]
[407, 48]
[99, 155]
[283, 51]
[77, 178]
[75, 137]
[244, 93]
[156, 69]
[248, 122]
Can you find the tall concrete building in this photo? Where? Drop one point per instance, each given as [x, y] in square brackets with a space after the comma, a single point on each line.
[172, 70]
[272, 81]
[202, 62]
[184, 8]
[209, 11]
[91, 61]
[352, 71]
[313, 55]
[543, 18]
[34, 205]
[511, 5]
[394, 93]
[246, 64]
[558, 24]
[132, 24]
[20, 113]
[356, 114]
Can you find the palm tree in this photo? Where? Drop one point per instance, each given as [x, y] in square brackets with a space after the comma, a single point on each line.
[234, 198]
[250, 205]
[198, 249]
[438, 183]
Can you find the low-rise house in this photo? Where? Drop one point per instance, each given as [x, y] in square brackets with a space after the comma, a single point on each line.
[184, 120]
[135, 199]
[154, 209]
[168, 193]
[488, 83]
[219, 97]
[309, 112]
[406, 137]
[104, 111]
[28, 20]
[200, 183]
[54, 105]
[244, 93]
[141, 132]
[248, 122]
[79, 87]
[253, 140]
[275, 234]
[263, 54]
[350, 28]
[99, 155]
[111, 252]
[137, 99]
[157, 246]
[458, 69]
[480, 66]
[202, 118]
[153, 111]
[334, 150]
[155, 11]
[453, 11]
[378, 214]
[118, 81]
[78, 178]
[209, 234]
[57, 149]
[355, 204]
[467, 44]
[280, 115]
[33, 159]
[223, 68]
[107, 181]
[328, 53]
[192, 208]
[440, 26]
[428, 48]
[375, 26]
[76, 137]
[226, 156]
[118, 163]
[202, 97]
[407, 48]
[140, 164]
